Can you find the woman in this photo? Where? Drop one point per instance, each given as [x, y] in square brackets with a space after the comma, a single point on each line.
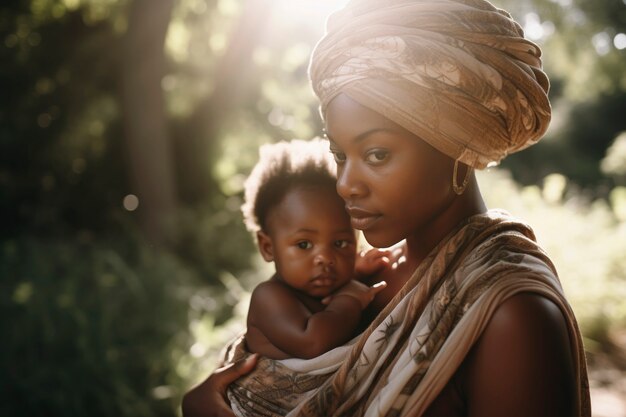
[416, 94]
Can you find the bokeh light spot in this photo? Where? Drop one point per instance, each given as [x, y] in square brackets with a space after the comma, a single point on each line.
[11, 40]
[602, 43]
[276, 117]
[131, 202]
[44, 120]
[71, 4]
[197, 350]
[23, 292]
[620, 41]
[44, 86]
[162, 392]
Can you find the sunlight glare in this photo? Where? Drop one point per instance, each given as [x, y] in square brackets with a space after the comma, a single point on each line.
[313, 12]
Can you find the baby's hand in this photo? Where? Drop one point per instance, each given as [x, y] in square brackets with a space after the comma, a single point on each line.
[358, 290]
[370, 262]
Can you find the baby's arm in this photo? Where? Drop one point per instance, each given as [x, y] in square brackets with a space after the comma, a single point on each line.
[288, 325]
[367, 265]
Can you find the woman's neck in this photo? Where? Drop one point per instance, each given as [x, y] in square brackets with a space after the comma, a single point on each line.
[422, 242]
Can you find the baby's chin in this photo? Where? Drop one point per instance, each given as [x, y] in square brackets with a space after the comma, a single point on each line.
[324, 291]
[320, 293]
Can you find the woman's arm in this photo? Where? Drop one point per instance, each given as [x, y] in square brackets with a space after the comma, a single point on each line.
[208, 399]
[522, 364]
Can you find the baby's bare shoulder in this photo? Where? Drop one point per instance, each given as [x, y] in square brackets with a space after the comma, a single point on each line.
[272, 297]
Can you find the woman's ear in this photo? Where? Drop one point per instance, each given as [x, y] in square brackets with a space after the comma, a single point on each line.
[265, 246]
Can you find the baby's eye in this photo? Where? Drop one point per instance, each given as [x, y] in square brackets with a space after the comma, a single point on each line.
[340, 157]
[341, 243]
[377, 156]
[305, 244]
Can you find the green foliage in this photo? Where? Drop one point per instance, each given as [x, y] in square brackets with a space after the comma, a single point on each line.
[576, 143]
[216, 244]
[95, 329]
[209, 336]
[583, 59]
[585, 239]
[59, 128]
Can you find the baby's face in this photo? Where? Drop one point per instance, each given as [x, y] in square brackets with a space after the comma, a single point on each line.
[313, 245]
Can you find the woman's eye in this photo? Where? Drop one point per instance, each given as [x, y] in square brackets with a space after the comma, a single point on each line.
[341, 244]
[304, 244]
[377, 156]
[339, 156]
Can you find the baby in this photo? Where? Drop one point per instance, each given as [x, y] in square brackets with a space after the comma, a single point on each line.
[301, 225]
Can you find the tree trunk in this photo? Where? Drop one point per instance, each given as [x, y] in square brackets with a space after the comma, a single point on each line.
[147, 138]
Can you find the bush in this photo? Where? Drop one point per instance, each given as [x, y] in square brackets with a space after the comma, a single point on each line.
[585, 239]
[91, 329]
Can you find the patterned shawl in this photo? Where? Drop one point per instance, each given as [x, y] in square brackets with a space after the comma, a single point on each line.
[459, 74]
[403, 360]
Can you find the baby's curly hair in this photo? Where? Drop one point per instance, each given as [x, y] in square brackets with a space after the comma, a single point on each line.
[283, 166]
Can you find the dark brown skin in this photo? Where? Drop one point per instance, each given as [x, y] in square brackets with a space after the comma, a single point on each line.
[520, 366]
[209, 397]
[311, 243]
[283, 323]
[522, 363]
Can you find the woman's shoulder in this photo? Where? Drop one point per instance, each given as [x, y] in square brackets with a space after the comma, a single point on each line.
[522, 361]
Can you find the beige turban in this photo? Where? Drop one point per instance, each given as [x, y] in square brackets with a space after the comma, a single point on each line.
[458, 74]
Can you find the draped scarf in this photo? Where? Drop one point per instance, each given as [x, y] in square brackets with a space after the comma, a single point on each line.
[407, 355]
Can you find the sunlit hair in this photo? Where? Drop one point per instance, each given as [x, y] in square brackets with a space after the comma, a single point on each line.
[282, 167]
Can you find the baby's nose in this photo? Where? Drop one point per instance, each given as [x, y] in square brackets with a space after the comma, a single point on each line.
[324, 257]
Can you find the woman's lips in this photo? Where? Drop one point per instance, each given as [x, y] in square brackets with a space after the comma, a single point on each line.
[362, 219]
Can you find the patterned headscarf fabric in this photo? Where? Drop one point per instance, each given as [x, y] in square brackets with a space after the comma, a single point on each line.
[458, 74]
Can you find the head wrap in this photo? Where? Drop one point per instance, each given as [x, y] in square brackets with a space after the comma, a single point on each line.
[457, 73]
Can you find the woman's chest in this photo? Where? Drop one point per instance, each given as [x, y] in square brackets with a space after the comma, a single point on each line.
[450, 402]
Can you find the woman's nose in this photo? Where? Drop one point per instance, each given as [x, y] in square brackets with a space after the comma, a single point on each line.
[348, 184]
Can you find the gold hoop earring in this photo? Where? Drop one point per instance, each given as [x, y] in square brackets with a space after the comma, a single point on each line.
[458, 190]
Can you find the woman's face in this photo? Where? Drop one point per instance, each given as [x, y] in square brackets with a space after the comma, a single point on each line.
[394, 184]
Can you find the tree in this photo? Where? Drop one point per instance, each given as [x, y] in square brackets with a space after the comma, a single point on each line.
[147, 133]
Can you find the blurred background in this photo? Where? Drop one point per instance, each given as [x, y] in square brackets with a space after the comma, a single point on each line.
[127, 128]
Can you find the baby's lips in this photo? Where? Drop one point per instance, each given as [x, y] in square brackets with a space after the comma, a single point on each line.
[323, 281]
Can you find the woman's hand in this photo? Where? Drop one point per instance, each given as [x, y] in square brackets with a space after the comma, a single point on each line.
[209, 398]
[358, 290]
